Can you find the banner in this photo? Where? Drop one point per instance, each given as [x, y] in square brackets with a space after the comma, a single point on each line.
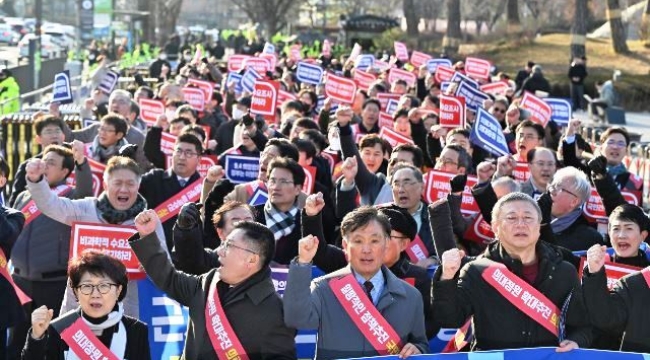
[309, 74]
[109, 239]
[109, 82]
[393, 137]
[235, 78]
[560, 110]
[310, 179]
[473, 96]
[594, 208]
[498, 88]
[438, 187]
[205, 86]
[419, 58]
[284, 96]
[268, 48]
[356, 51]
[241, 169]
[167, 143]
[613, 271]
[385, 120]
[444, 73]
[363, 79]
[172, 206]
[62, 91]
[459, 77]
[340, 89]
[272, 58]
[399, 74]
[265, 97]
[521, 172]
[261, 65]
[384, 98]
[433, 64]
[452, 111]
[487, 134]
[540, 111]
[150, 110]
[248, 79]
[364, 61]
[401, 52]
[477, 68]
[194, 97]
[236, 62]
[391, 106]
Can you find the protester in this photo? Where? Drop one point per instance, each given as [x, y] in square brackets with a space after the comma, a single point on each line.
[238, 297]
[11, 224]
[542, 164]
[99, 283]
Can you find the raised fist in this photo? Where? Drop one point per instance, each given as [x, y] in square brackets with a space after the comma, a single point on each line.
[349, 169]
[307, 247]
[458, 183]
[573, 127]
[189, 216]
[35, 169]
[598, 165]
[451, 260]
[41, 318]
[212, 144]
[146, 221]
[485, 170]
[78, 151]
[215, 173]
[505, 165]
[596, 257]
[162, 122]
[343, 115]
[314, 204]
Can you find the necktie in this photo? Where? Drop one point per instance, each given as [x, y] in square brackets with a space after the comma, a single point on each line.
[368, 287]
[182, 182]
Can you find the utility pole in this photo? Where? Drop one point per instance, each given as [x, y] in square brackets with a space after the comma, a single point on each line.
[35, 45]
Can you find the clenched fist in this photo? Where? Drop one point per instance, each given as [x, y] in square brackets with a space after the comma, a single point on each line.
[146, 221]
[307, 247]
[35, 169]
[596, 257]
[215, 173]
[314, 204]
[41, 319]
[451, 260]
[343, 115]
[349, 170]
[78, 151]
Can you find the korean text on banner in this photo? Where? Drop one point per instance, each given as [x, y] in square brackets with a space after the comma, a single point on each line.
[340, 89]
[419, 58]
[401, 52]
[241, 169]
[452, 111]
[399, 74]
[540, 110]
[477, 68]
[236, 62]
[194, 97]
[109, 239]
[265, 97]
[309, 74]
[432, 64]
[62, 91]
[150, 110]
[473, 96]
[560, 110]
[488, 135]
[205, 86]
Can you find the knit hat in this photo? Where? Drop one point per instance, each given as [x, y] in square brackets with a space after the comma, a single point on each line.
[400, 220]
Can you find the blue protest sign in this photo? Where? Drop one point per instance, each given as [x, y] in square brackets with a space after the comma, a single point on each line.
[473, 97]
[432, 64]
[309, 73]
[444, 86]
[109, 82]
[561, 110]
[458, 77]
[487, 134]
[241, 169]
[62, 91]
[259, 197]
[234, 77]
[364, 61]
[269, 48]
[391, 106]
[248, 79]
[166, 318]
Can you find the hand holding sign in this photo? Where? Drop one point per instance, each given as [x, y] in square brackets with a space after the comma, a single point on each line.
[41, 319]
[146, 222]
[314, 204]
[596, 257]
[307, 247]
[451, 261]
[35, 168]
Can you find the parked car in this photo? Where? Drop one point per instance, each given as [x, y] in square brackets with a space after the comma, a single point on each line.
[17, 24]
[49, 48]
[61, 34]
[8, 35]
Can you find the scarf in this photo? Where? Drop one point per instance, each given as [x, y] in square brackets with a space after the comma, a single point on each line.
[102, 154]
[562, 223]
[114, 216]
[118, 340]
[279, 222]
[616, 170]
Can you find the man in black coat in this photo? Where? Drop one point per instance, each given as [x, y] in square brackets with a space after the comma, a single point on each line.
[158, 185]
[577, 74]
[241, 288]
[11, 223]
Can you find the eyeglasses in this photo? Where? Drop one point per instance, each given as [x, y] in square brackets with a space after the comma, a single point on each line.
[445, 161]
[405, 183]
[106, 130]
[514, 220]
[503, 111]
[186, 153]
[227, 245]
[52, 132]
[555, 189]
[528, 136]
[87, 289]
[544, 164]
[279, 182]
[620, 144]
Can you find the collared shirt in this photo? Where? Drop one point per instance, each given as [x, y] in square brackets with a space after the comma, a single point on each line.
[182, 181]
[377, 282]
[417, 216]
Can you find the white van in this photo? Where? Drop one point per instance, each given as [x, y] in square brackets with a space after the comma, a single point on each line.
[50, 49]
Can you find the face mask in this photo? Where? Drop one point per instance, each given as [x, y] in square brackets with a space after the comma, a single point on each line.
[335, 144]
[162, 56]
[237, 114]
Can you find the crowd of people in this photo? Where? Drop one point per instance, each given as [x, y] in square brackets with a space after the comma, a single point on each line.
[327, 190]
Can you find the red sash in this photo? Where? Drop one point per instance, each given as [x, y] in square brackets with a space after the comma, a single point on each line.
[84, 343]
[4, 271]
[223, 338]
[30, 210]
[172, 206]
[646, 275]
[365, 315]
[523, 296]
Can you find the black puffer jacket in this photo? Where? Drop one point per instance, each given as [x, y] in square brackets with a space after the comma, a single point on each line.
[497, 323]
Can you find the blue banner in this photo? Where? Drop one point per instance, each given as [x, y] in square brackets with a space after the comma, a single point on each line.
[459, 77]
[487, 134]
[235, 78]
[364, 61]
[248, 79]
[444, 86]
[309, 73]
[109, 82]
[561, 110]
[241, 169]
[62, 91]
[546, 353]
[473, 97]
[391, 106]
[432, 64]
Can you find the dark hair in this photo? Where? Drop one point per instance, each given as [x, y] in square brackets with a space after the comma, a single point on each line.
[261, 238]
[48, 120]
[194, 128]
[434, 99]
[97, 263]
[418, 156]
[401, 82]
[370, 102]
[462, 131]
[285, 147]
[312, 96]
[68, 158]
[306, 123]
[183, 109]
[615, 130]
[371, 140]
[183, 120]
[148, 90]
[216, 96]
[415, 102]
[293, 105]
[464, 160]
[629, 212]
[135, 108]
[529, 124]
[4, 167]
[379, 87]
[218, 217]
[290, 165]
[400, 113]
[316, 137]
[361, 217]
[530, 156]
[190, 138]
[305, 146]
[117, 121]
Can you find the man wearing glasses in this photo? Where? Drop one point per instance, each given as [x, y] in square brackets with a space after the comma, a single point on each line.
[569, 190]
[158, 185]
[234, 309]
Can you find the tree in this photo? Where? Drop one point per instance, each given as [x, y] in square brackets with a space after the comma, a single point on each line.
[166, 15]
[271, 14]
[412, 15]
[645, 24]
[452, 39]
[619, 37]
[579, 28]
[512, 11]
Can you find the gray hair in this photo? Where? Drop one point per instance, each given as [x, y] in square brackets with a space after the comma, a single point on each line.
[507, 182]
[417, 173]
[576, 179]
[120, 93]
[512, 197]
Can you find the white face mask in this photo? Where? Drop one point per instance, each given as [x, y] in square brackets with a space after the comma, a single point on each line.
[237, 114]
[335, 144]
